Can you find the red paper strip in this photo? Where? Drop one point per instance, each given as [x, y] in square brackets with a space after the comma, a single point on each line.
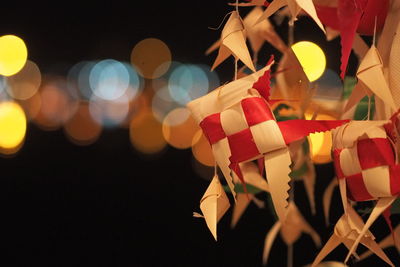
[242, 146]
[256, 110]
[336, 163]
[262, 85]
[293, 130]
[356, 188]
[212, 128]
[374, 152]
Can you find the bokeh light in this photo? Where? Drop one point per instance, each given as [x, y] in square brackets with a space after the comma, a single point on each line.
[13, 54]
[57, 105]
[31, 106]
[150, 55]
[109, 79]
[109, 113]
[12, 126]
[145, 133]
[320, 143]
[187, 82]
[201, 149]
[81, 129]
[311, 58]
[25, 83]
[179, 128]
[162, 104]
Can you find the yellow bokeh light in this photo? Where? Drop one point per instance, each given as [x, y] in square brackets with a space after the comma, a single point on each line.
[12, 125]
[13, 54]
[320, 143]
[201, 149]
[145, 133]
[311, 58]
[152, 57]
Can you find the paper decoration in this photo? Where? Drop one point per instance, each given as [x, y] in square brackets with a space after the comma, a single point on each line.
[240, 126]
[254, 178]
[294, 6]
[386, 242]
[290, 230]
[233, 42]
[263, 31]
[213, 205]
[327, 197]
[371, 79]
[349, 228]
[366, 167]
[353, 16]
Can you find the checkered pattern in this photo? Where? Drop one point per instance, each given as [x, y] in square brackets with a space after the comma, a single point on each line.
[253, 133]
[367, 164]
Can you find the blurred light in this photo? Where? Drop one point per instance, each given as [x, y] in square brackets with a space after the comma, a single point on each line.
[320, 143]
[109, 79]
[162, 104]
[311, 58]
[179, 128]
[81, 128]
[329, 86]
[146, 134]
[31, 106]
[187, 82]
[201, 149]
[148, 55]
[57, 105]
[109, 113]
[81, 72]
[13, 54]
[25, 83]
[12, 125]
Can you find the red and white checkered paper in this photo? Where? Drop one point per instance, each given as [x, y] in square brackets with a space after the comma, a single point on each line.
[364, 155]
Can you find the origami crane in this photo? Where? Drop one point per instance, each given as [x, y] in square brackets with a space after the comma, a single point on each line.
[290, 230]
[351, 16]
[349, 228]
[371, 80]
[257, 34]
[365, 161]
[237, 120]
[295, 6]
[233, 42]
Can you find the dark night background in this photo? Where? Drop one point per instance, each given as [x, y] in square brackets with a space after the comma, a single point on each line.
[107, 205]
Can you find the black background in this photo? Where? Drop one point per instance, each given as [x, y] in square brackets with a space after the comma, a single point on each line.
[107, 205]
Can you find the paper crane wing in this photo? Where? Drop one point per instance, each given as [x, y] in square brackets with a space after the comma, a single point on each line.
[233, 42]
[293, 130]
[271, 9]
[214, 204]
[370, 72]
[309, 8]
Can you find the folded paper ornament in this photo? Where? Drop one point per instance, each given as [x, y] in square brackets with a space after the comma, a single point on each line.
[213, 205]
[365, 161]
[371, 80]
[233, 42]
[347, 230]
[290, 231]
[388, 241]
[351, 16]
[295, 6]
[240, 126]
